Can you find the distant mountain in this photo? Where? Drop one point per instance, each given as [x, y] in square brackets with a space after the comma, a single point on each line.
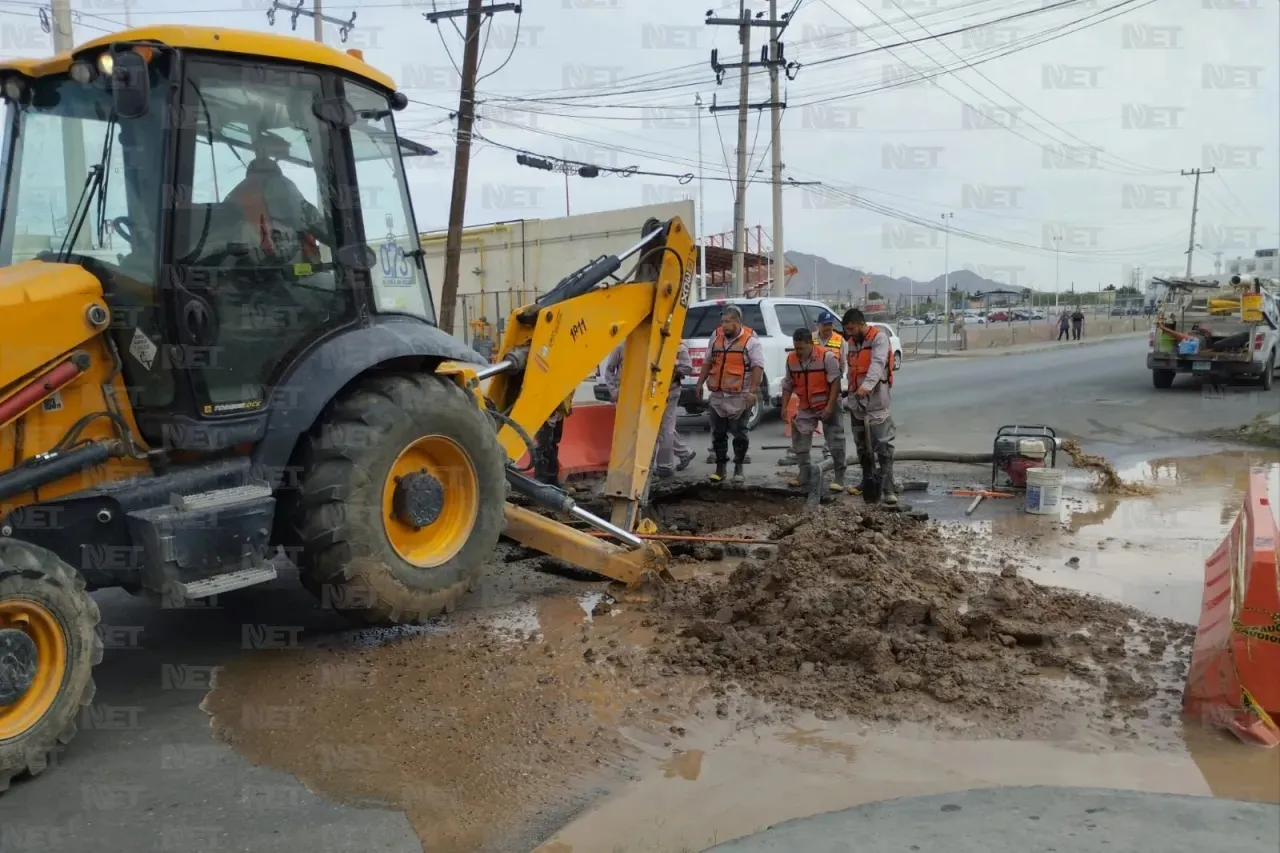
[837, 283]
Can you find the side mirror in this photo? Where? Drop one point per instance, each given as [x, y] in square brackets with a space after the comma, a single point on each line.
[130, 85]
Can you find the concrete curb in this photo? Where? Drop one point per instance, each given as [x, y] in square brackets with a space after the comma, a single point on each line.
[1000, 352]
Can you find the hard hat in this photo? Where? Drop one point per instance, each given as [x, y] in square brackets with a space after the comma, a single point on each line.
[826, 318]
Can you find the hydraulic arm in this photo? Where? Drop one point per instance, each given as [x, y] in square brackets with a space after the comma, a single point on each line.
[550, 347]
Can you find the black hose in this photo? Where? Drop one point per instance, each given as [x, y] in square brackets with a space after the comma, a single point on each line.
[529, 444]
[58, 464]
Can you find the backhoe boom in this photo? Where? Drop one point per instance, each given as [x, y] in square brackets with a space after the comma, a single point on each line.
[551, 347]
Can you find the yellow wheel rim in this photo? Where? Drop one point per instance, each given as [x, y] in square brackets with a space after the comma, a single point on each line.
[45, 631]
[430, 501]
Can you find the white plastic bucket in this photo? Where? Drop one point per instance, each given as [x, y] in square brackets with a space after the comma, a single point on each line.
[1044, 490]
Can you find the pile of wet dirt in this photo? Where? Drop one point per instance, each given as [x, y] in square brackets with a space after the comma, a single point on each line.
[863, 613]
[1109, 482]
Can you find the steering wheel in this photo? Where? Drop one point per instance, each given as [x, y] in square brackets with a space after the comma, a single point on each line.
[123, 226]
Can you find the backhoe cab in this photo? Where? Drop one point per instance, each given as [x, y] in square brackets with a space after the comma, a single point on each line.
[218, 341]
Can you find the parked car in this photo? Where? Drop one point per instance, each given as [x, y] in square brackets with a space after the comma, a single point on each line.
[895, 344]
[999, 317]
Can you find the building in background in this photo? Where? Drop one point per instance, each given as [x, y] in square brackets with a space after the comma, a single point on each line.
[509, 264]
[1265, 263]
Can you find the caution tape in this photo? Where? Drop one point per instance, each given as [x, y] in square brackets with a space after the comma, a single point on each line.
[1266, 633]
[1251, 705]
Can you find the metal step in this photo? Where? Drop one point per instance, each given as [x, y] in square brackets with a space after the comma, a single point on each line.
[221, 497]
[218, 584]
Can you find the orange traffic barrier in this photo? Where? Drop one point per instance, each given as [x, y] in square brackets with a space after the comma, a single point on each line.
[587, 441]
[793, 405]
[1234, 679]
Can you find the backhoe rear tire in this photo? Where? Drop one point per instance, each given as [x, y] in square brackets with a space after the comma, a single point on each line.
[48, 648]
[391, 447]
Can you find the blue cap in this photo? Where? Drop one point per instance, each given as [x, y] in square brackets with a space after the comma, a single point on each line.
[826, 317]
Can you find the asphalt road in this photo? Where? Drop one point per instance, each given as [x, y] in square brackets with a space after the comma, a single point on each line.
[145, 774]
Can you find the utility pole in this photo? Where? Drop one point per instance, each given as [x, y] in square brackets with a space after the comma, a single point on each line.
[1195, 203]
[775, 114]
[702, 207]
[462, 150]
[744, 23]
[74, 169]
[946, 278]
[318, 18]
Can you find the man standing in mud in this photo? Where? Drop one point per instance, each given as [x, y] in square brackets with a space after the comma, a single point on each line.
[870, 372]
[813, 375]
[672, 454]
[732, 370]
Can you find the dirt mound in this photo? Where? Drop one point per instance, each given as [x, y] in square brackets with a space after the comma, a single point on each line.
[1109, 482]
[863, 613]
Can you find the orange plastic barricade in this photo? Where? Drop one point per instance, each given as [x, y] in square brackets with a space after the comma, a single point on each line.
[587, 441]
[793, 405]
[1234, 679]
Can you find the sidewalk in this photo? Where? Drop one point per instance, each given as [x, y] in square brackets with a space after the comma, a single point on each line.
[1020, 349]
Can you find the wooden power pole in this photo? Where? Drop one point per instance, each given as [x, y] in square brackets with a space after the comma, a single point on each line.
[1195, 204]
[744, 22]
[462, 154]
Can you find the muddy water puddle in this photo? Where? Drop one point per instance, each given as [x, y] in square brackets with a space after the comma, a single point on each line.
[1147, 551]
[729, 782]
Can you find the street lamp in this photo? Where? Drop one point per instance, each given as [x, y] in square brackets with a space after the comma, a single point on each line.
[946, 278]
[1057, 258]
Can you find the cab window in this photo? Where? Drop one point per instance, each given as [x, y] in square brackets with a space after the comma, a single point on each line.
[399, 277]
[255, 243]
[703, 320]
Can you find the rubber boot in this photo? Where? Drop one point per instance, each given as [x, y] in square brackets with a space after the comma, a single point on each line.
[868, 471]
[718, 474]
[738, 475]
[803, 478]
[837, 471]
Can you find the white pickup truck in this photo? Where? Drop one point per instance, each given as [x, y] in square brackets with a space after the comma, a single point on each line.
[774, 319]
[1201, 330]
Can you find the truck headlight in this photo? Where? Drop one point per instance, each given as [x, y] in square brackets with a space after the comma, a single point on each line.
[82, 72]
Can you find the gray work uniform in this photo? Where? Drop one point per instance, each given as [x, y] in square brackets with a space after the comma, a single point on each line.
[805, 423]
[671, 447]
[873, 409]
[729, 413]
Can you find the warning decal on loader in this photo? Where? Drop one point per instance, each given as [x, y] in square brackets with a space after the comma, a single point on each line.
[142, 349]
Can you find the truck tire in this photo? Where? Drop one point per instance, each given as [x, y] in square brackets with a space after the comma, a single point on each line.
[1268, 378]
[1163, 378]
[401, 499]
[49, 646]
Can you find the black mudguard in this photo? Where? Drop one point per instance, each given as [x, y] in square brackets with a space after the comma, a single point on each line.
[318, 377]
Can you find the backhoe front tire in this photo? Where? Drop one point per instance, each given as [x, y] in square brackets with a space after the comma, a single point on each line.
[391, 447]
[48, 648]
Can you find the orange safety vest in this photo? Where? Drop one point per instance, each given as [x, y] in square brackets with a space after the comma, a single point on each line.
[809, 382]
[832, 342]
[860, 360]
[254, 205]
[728, 373]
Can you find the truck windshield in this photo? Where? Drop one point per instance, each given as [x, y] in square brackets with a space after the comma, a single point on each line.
[53, 143]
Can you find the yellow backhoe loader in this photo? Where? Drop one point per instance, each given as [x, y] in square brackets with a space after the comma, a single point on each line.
[217, 341]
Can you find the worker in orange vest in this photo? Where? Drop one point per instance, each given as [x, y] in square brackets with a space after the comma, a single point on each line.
[826, 336]
[813, 375]
[869, 362]
[732, 370]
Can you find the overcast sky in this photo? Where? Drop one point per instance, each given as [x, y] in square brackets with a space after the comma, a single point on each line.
[1080, 138]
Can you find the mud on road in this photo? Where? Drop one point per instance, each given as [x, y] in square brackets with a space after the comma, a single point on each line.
[491, 730]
